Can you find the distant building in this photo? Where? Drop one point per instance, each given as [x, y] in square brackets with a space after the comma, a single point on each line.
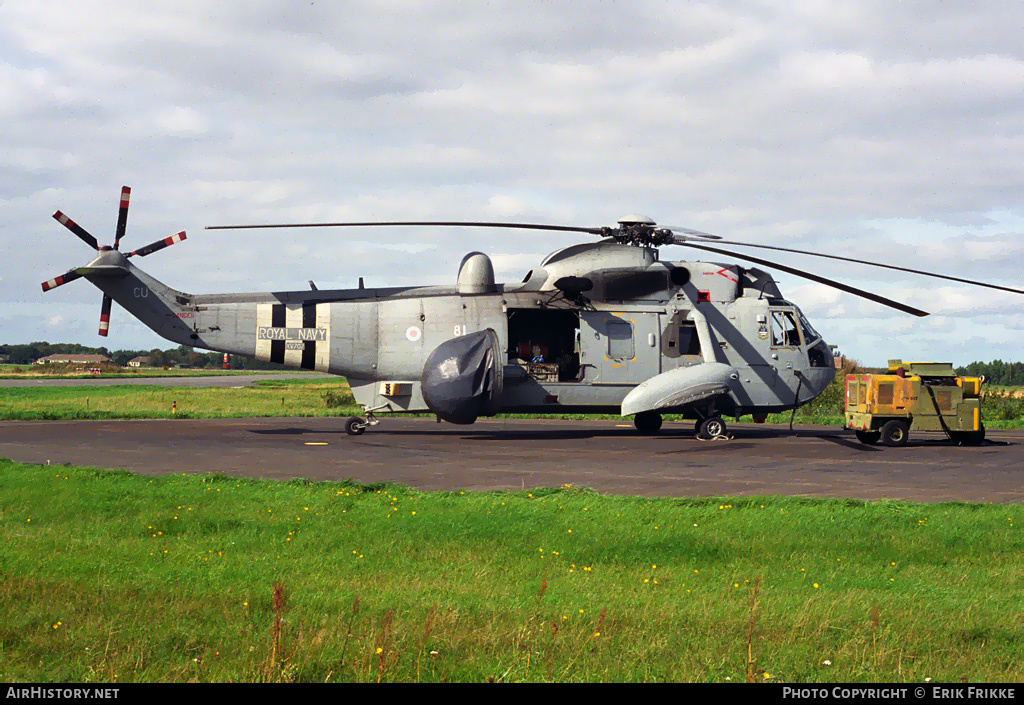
[138, 361]
[67, 358]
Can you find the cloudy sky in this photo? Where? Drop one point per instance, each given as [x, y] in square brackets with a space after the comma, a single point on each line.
[876, 130]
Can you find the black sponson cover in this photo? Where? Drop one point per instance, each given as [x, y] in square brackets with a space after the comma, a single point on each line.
[462, 378]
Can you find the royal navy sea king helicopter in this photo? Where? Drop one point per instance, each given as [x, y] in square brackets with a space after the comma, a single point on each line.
[598, 327]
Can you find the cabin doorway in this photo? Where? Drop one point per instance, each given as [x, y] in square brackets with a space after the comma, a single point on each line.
[546, 342]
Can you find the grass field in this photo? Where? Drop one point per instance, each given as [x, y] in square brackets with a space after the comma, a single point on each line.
[70, 371]
[272, 397]
[108, 576]
[323, 397]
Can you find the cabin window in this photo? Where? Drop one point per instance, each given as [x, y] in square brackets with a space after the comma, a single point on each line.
[689, 342]
[784, 330]
[620, 340]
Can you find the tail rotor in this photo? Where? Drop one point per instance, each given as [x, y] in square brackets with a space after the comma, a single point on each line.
[84, 235]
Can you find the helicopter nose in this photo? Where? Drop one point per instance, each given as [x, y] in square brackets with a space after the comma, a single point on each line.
[822, 369]
[820, 377]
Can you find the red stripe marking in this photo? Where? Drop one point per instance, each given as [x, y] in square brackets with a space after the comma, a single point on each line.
[723, 271]
[125, 195]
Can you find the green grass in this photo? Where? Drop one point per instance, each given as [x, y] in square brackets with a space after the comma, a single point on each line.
[320, 396]
[109, 576]
[69, 371]
[275, 397]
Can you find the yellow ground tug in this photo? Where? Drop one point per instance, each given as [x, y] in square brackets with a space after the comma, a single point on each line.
[925, 396]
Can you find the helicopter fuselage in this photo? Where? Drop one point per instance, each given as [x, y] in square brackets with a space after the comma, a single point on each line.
[590, 325]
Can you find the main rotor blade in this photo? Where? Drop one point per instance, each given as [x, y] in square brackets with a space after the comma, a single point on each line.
[691, 231]
[158, 245]
[875, 264]
[814, 277]
[450, 223]
[105, 315]
[63, 279]
[77, 230]
[122, 215]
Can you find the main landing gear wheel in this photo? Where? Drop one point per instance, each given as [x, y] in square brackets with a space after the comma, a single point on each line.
[355, 426]
[895, 433]
[711, 427]
[647, 422]
[869, 437]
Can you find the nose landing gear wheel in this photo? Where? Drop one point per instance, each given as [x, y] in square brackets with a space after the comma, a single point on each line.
[711, 427]
[355, 426]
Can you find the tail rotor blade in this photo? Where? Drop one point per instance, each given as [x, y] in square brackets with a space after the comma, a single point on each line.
[63, 279]
[122, 215]
[105, 316]
[77, 230]
[158, 245]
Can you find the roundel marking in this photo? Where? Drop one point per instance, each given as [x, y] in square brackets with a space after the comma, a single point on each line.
[413, 333]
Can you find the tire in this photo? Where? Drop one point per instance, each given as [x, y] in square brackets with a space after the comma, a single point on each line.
[711, 427]
[355, 426]
[869, 438]
[895, 433]
[647, 422]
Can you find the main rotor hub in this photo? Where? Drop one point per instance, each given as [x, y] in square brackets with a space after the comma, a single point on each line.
[640, 231]
[635, 219]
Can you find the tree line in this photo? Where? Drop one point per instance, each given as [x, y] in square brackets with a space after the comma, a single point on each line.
[1009, 374]
[27, 353]
[1006, 374]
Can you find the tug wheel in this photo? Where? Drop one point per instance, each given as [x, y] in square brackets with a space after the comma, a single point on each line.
[869, 437]
[355, 426]
[895, 433]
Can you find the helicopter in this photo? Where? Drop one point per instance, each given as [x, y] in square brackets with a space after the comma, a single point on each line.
[602, 326]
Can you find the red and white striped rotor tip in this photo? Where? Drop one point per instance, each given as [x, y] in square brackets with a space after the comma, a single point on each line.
[105, 315]
[77, 229]
[158, 245]
[61, 280]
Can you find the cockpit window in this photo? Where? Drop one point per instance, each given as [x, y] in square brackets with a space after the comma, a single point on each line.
[810, 335]
[784, 330]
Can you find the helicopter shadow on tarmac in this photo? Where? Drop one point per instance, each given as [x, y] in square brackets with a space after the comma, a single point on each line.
[745, 437]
